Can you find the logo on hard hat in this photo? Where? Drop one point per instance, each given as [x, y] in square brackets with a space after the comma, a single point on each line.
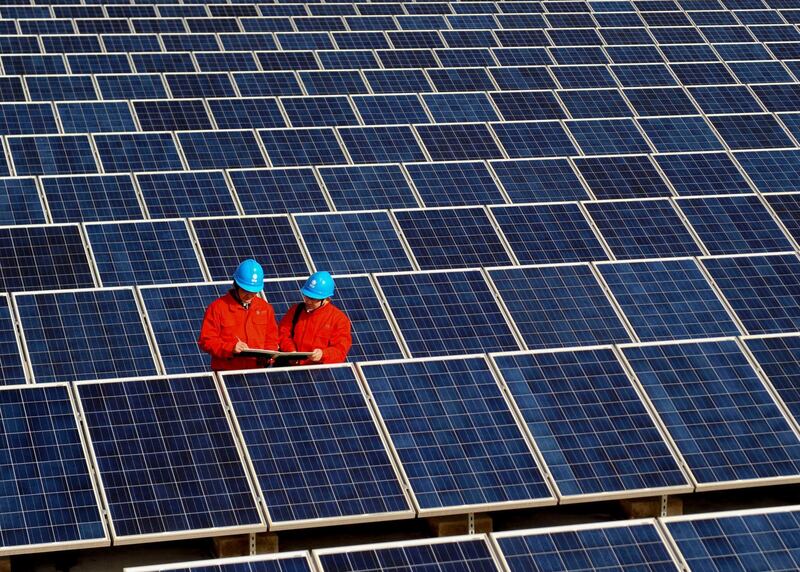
[313, 283]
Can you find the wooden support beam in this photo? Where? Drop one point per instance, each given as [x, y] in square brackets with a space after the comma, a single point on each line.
[5, 564]
[459, 524]
[239, 545]
[650, 507]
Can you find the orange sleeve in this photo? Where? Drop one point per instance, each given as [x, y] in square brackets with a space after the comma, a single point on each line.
[340, 342]
[285, 341]
[210, 340]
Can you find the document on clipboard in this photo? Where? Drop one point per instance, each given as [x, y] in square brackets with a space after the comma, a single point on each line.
[281, 358]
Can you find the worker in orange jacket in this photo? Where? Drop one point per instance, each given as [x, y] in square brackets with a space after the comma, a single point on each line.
[238, 321]
[316, 325]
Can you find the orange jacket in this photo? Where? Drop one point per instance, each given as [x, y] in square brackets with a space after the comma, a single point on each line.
[226, 321]
[326, 328]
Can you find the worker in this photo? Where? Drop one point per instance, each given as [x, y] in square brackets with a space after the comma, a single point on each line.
[315, 325]
[239, 321]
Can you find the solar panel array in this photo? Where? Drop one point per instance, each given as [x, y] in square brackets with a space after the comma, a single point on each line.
[602, 194]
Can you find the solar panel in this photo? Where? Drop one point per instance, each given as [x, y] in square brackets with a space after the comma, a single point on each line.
[27, 119]
[43, 257]
[226, 241]
[393, 144]
[368, 187]
[777, 356]
[631, 545]
[771, 171]
[528, 105]
[270, 83]
[454, 142]
[84, 334]
[182, 477]
[787, 207]
[133, 86]
[144, 252]
[58, 87]
[455, 107]
[762, 290]
[195, 193]
[702, 174]
[548, 233]
[734, 224]
[531, 139]
[131, 152]
[522, 77]
[48, 497]
[315, 447]
[471, 554]
[221, 149]
[332, 82]
[622, 177]
[87, 198]
[446, 313]
[459, 237]
[751, 131]
[19, 202]
[13, 370]
[539, 180]
[558, 306]
[319, 111]
[667, 299]
[50, 155]
[300, 147]
[194, 85]
[680, 134]
[282, 562]
[431, 407]
[455, 184]
[594, 103]
[278, 191]
[721, 417]
[95, 117]
[725, 99]
[608, 136]
[172, 114]
[643, 75]
[390, 109]
[648, 101]
[754, 539]
[174, 314]
[397, 81]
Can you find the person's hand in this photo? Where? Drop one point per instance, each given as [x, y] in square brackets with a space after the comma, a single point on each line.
[316, 355]
[240, 347]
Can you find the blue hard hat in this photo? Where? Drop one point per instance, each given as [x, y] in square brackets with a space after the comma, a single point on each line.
[249, 276]
[318, 286]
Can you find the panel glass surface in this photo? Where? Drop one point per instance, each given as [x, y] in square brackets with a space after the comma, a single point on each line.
[779, 359]
[91, 198]
[196, 193]
[368, 187]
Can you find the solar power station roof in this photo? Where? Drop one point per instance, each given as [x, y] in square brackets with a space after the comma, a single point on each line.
[566, 234]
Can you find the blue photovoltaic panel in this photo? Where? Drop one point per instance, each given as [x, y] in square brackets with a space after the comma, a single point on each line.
[446, 313]
[787, 207]
[627, 547]
[522, 77]
[246, 113]
[47, 497]
[469, 555]
[221, 149]
[452, 238]
[431, 409]
[539, 180]
[129, 86]
[195, 193]
[43, 258]
[725, 99]
[549, 233]
[373, 338]
[184, 474]
[95, 117]
[296, 147]
[642, 229]
[779, 358]
[764, 291]
[702, 174]
[278, 191]
[351, 243]
[455, 184]
[284, 562]
[187, 85]
[175, 315]
[738, 543]
[625, 177]
[677, 134]
[19, 202]
[660, 101]
[667, 300]
[27, 119]
[61, 87]
[145, 252]
[225, 242]
[390, 109]
[90, 198]
[53, 155]
[12, 372]
[528, 105]
[558, 306]
[393, 144]
[608, 136]
[751, 131]
[320, 111]
[734, 224]
[585, 104]
[534, 139]
[315, 448]
[609, 444]
[772, 171]
[716, 409]
[84, 334]
[454, 107]
[453, 142]
[172, 114]
[131, 152]
[368, 187]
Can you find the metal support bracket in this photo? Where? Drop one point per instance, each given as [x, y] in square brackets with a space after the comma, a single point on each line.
[252, 544]
[664, 505]
[471, 523]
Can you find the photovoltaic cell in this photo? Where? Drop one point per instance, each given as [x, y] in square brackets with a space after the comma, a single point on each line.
[27, 119]
[19, 202]
[716, 409]
[349, 243]
[48, 498]
[455, 184]
[772, 171]
[787, 207]
[539, 180]
[667, 300]
[455, 107]
[753, 131]
[368, 187]
[12, 372]
[50, 155]
[522, 140]
[608, 136]
[623, 177]
[225, 242]
[735, 224]
[90, 198]
[84, 334]
[95, 117]
[395, 144]
[549, 233]
[188, 194]
[175, 314]
[184, 474]
[430, 408]
[278, 191]
[778, 357]
[446, 313]
[43, 258]
[764, 291]
[621, 547]
[453, 142]
[221, 149]
[676, 134]
[315, 448]
[558, 306]
[390, 109]
[132, 152]
[452, 238]
[702, 174]
[300, 147]
[172, 114]
[319, 111]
